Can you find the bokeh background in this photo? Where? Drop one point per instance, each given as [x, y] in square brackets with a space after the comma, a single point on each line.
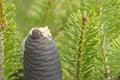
[40, 13]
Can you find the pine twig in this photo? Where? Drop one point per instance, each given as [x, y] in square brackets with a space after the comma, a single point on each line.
[103, 41]
[1, 42]
[80, 50]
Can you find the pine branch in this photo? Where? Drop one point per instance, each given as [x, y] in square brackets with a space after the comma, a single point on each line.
[1, 58]
[101, 25]
[1, 41]
[80, 50]
[103, 40]
[100, 50]
[1, 11]
[82, 58]
[11, 59]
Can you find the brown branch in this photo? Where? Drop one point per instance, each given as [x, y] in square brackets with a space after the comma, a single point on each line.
[80, 50]
[1, 42]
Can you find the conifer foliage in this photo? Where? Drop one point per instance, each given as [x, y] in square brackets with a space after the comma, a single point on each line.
[91, 43]
[89, 49]
[9, 41]
[1, 40]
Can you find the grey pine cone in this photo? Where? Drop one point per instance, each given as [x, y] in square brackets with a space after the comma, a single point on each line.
[41, 60]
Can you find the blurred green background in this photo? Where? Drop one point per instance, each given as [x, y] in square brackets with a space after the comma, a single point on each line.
[40, 13]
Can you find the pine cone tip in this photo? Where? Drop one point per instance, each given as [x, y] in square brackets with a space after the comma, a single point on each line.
[43, 31]
[36, 33]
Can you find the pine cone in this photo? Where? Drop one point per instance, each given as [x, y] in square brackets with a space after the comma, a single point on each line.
[41, 60]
